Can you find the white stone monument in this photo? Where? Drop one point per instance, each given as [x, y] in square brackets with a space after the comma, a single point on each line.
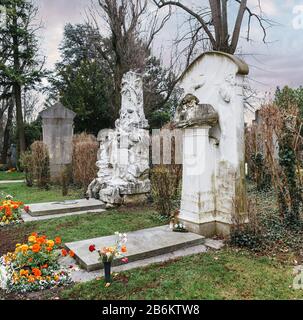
[123, 158]
[212, 117]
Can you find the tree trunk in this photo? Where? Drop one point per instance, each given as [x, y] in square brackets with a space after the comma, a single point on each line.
[19, 119]
[7, 132]
[17, 90]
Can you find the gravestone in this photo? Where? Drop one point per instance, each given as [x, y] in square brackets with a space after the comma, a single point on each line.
[211, 116]
[12, 153]
[57, 125]
[123, 157]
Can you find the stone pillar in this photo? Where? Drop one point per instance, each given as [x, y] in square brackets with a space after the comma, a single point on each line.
[211, 199]
[197, 198]
[57, 125]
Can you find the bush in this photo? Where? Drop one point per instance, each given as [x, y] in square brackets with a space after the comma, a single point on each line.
[26, 162]
[266, 231]
[40, 162]
[85, 150]
[165, 181]
[66, 179]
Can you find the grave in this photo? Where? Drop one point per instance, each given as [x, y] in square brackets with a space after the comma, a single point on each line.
[141, 244]
[56, 208]
[211, 116]
[57, 125]
[123, 158]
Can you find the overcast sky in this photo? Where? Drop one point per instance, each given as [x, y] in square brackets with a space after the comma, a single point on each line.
[277, 63]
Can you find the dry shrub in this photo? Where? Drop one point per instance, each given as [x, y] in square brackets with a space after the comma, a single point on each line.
[273, 147]
[26, 162]
[285, 124]
[40, 163]
[165, 181]
[85, 149]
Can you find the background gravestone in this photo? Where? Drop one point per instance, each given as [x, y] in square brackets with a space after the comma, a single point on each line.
[57, 124]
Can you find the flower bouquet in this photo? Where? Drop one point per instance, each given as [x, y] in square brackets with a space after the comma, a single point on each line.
[109, 254]
[10, 211]
[180, 227]
[33, 266]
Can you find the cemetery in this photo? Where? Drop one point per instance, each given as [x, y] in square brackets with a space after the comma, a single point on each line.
[136, 181]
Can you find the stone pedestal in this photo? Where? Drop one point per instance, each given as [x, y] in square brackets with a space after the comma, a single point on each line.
[57, 125]
[213, 192]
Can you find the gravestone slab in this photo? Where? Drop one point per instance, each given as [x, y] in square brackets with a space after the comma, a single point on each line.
[141, 244]
[49, 208]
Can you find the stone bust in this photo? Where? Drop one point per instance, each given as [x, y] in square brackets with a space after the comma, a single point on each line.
[192, 114]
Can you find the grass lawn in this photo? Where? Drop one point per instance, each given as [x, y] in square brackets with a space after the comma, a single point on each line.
[227, 274]
[80, 227]
[11, 176]
[33, 195]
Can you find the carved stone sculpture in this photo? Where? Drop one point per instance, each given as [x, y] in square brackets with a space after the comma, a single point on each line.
[190, 113]
[123, 158]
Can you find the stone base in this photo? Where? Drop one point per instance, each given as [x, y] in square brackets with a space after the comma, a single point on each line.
[208, 229]
[119, 193]
[134, 199]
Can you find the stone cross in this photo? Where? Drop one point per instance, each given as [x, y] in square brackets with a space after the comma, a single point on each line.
[212, 117]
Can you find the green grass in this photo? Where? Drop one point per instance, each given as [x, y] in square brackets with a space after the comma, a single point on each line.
[34, 195]
[86, 226]
[214, 275]
[11, 176]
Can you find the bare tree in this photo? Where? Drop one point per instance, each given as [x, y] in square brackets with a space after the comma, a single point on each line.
[213, 23]
[132, 29]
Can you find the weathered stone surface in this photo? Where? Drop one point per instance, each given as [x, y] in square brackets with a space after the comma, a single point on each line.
[49, 208]
[192, 114]
[123, 157]
[141, 244]
[213, 189]
[57, 124]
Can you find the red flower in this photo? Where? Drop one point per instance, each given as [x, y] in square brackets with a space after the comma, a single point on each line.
[64, 252]
[125, 260]
[26, 209]
[92, 248]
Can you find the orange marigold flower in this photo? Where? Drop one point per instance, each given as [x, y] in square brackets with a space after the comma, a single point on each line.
[49, 249]
[71, 253]
[45, 266]
[41, 240]
[58, 240]
[36, 248]
[31, 279]
[64, 252]
[50, 243]
[34, 234]
[123, 249]
[37, 272]
[32, 239]
[23, 273]
[8, 211]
